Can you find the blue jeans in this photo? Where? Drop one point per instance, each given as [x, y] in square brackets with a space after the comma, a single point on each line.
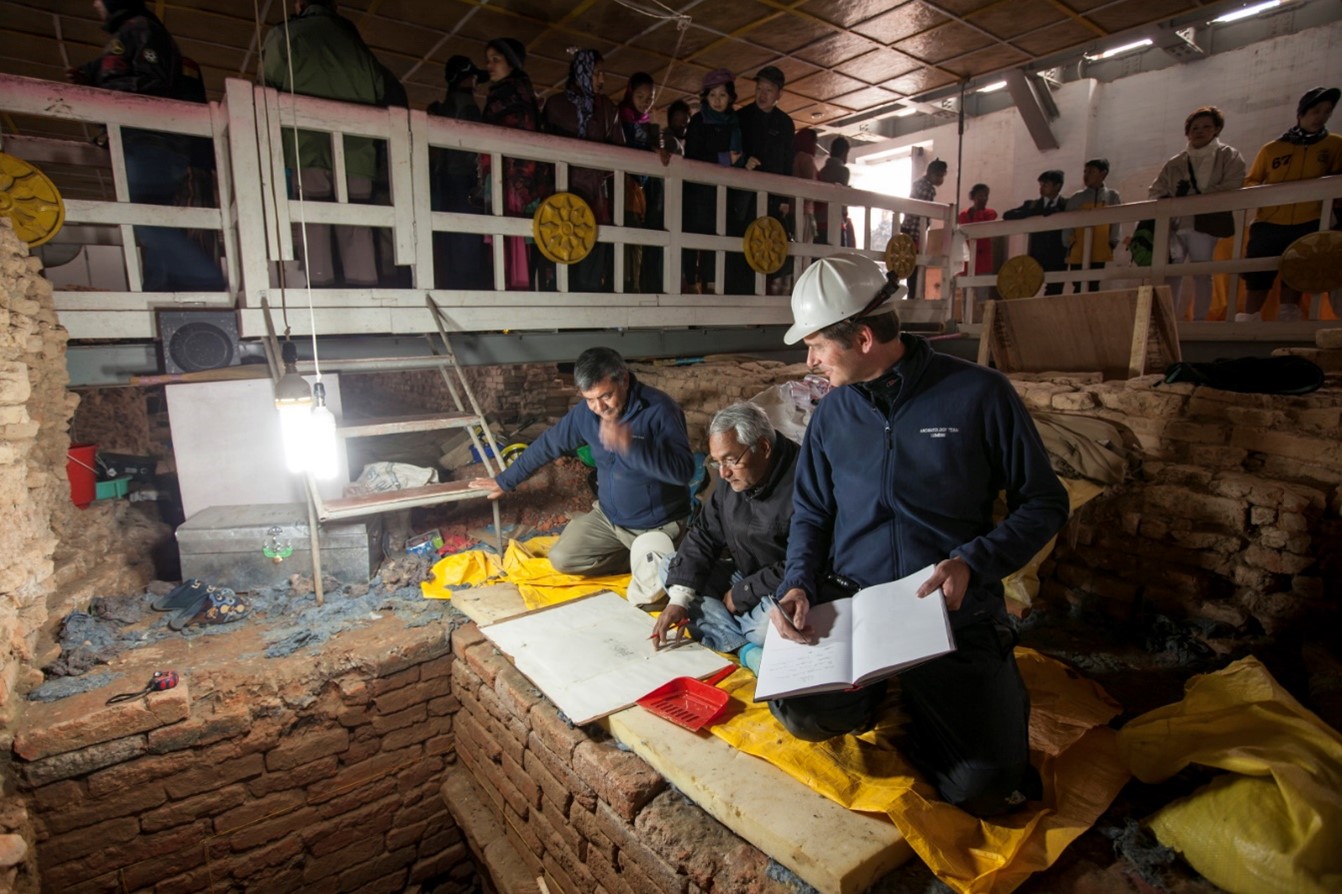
[172, 262]
[716, 627]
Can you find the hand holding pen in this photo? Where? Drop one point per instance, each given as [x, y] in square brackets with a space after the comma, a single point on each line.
[789, 616]
[671, 626]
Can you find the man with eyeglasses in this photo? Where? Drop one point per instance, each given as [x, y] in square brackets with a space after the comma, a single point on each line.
[644, 465]
[734, 552]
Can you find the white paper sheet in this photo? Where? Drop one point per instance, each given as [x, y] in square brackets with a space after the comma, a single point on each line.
[594, 656]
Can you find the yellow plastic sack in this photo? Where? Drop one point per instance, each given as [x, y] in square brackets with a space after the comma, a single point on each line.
[468, 569]
[1022, 586]
[1069, 743]
[1274, 826]
[527, 566]
[524, 564]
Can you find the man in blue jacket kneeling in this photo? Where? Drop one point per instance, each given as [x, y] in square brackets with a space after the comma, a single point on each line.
[899, 469]
[643, 461]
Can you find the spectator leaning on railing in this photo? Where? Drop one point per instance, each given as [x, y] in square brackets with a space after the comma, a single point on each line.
[1304, 152]
[141, 57]
[1045, 247]
[1102, 237]
[1206, 165]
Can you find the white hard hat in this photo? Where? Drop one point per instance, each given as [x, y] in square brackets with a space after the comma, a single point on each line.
[836, 288]
[646, 554]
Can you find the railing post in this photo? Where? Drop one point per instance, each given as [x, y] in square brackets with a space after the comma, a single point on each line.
[249, 214]
[419, 186]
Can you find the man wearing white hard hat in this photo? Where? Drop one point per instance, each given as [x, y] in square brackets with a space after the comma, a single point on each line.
[898, 471]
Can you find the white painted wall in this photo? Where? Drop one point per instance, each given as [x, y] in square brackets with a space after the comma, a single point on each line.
[1137, 122]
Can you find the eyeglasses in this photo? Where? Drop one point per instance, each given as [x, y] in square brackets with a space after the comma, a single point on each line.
[730, 463]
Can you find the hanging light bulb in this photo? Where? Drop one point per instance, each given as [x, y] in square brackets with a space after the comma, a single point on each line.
[293, 399]
[323, 455]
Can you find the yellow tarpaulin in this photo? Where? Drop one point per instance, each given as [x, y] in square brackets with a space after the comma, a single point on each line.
[1070, 745]
[1272, 826]
[524, 564]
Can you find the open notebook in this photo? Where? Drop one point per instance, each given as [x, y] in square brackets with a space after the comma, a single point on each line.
[876, 633]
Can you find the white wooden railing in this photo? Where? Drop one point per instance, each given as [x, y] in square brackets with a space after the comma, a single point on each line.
[256, 218]
[1240, 202]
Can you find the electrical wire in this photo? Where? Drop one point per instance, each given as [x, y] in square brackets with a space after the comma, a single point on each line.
[274, 192]
[682, 21]
[302, 209]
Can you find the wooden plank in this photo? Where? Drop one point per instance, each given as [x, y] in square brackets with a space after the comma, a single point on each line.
[829, 847]
[989, 317]
[224, 374]
[1075, 333]
[1141, 332]
[392, 425]
[406, 498]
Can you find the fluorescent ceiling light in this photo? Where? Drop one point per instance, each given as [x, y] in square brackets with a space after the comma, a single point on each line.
[906, 111]
[993, 88]
[1118, 51]
[1246, 12]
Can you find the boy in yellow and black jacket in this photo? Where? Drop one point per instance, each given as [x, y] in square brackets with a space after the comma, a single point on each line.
[1305, 152]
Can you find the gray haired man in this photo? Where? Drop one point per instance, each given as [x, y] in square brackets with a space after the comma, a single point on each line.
[733, 556]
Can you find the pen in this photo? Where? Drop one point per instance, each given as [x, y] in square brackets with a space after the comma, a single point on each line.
[772, 602]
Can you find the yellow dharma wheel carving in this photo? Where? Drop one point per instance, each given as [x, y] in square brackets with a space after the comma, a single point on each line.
[1313, 263]
[564, 228]
[901, 255]
[30, 200]
[1020, 277]
[765, 244]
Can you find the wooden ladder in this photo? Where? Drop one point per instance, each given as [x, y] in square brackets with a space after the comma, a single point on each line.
[468, 416]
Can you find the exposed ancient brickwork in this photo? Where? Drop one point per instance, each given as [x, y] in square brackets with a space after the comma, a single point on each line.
[1232, 515]
[34, 418]
[576, 807]
[268, 777]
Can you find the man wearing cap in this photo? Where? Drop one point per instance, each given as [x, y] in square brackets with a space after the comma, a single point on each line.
[733, 556]
[331, 61]
[766, 145]
[898, 471]
[1304, 152]
[643, 460]
[1045, 247]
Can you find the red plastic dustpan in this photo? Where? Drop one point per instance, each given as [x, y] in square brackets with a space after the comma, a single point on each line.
[688, 702]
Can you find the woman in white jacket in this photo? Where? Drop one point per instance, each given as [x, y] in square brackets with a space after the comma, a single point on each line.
[1205, 165]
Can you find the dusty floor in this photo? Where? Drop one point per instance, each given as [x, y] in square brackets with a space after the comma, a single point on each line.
[1143, 664]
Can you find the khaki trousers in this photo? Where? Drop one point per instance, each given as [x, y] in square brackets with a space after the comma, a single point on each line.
[592, 545]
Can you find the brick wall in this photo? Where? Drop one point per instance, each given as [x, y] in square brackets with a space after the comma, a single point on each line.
[262, 776]
[573, 805]
[1232, 515]
[34, 417]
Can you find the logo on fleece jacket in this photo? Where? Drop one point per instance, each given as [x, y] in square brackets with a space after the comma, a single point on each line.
[939, 431]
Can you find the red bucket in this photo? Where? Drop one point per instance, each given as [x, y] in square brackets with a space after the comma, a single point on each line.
[81, 469]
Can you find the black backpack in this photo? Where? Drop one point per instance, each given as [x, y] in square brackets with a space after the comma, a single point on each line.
[1252, 375]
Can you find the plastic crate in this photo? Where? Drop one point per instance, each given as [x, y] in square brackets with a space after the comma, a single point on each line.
[112, 490]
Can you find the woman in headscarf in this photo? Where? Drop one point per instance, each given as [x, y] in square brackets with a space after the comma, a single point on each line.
[582, 111]
[512, 103]
[643, 195]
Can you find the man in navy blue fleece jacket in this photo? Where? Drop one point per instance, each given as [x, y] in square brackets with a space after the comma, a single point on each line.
[900, 467]
[643, 460]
